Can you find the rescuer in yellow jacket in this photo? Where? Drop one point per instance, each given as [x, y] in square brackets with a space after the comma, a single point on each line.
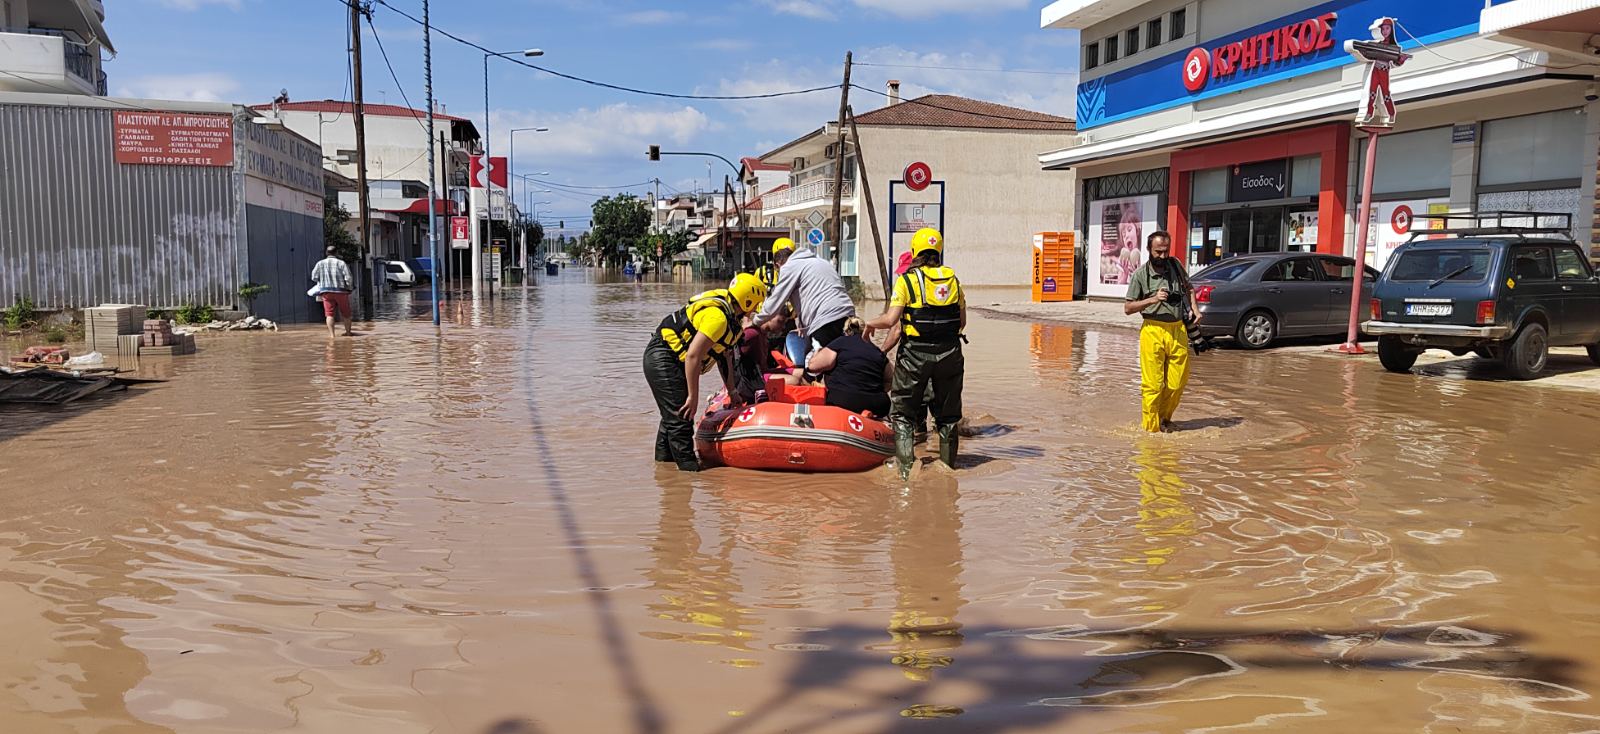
[684, 346]
[929, 309]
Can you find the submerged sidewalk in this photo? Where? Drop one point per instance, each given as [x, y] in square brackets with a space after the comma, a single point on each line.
[1569, 367]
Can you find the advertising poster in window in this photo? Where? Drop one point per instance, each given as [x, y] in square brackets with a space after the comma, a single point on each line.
[1391, 223]
[1115, 247]
[1303, 231]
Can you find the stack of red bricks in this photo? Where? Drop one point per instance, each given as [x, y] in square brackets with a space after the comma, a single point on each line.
[159, 339]
[157, 333]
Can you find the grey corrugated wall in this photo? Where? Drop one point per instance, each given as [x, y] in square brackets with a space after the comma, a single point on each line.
[79, 229]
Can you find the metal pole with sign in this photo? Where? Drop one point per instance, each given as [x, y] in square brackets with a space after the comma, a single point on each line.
[1375, 115]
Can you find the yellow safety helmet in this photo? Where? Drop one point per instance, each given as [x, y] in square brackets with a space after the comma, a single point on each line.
[782, 243]
[748, 292]
[926, 239]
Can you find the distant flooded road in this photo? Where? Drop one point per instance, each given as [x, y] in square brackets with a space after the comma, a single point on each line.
[406, 533]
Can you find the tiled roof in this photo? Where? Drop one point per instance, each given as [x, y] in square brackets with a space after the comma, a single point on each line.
[754, 164]
[334, 105]
[945, 110]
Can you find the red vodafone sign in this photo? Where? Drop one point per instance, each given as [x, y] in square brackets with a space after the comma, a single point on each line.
[1401, 219]
[1300, 38]
[918, 175]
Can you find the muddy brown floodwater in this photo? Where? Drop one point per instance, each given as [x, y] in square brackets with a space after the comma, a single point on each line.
[408, 533]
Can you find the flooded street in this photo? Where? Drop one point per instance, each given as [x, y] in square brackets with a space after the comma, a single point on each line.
[405, 533]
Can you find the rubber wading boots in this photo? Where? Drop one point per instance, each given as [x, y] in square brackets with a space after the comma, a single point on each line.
[905, 447]
[949, 444]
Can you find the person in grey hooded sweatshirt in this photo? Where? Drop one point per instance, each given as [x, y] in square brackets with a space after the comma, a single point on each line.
[821, 303]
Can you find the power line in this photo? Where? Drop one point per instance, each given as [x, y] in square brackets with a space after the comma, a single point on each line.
[1033, 120]
[1512, 55]
[394, 76]
[575, 186]
[605, 85]
[968, 68]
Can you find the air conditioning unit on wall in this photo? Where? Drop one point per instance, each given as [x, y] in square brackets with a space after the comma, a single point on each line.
[798, 164]
[831, 152]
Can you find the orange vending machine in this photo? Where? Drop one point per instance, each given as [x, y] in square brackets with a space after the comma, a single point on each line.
[1053, 254]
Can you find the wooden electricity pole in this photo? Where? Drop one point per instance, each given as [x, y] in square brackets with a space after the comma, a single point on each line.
[838, 165]
[360, 110]
[872, 210]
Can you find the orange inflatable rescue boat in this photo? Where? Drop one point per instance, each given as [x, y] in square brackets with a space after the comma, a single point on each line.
[794, 430]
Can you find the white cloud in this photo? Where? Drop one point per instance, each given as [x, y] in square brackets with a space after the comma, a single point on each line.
[813, 9]
[828, 9]
[200, 87]
[783, 117]
[198, 4]
[923, 8]
[614, 132]
[652, 17]
[723, 44]
[956, 73]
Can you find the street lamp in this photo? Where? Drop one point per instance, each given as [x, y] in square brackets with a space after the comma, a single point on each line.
[511, 168]
[477, 250]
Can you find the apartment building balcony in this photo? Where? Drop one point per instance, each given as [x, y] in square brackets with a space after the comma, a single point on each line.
[39, 60]
[805, 197]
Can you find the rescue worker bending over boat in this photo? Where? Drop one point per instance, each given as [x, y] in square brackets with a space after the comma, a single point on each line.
[931, 312]
[787, 338]
[689, 340]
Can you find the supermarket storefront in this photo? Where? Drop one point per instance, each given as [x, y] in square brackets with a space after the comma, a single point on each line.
[1237, 134]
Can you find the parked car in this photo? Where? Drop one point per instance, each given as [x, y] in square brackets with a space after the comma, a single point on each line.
[423, 266]
[399, 274]
[1507, 298]
[1258, 298]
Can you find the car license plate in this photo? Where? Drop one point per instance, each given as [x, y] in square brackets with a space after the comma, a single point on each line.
[1429, 309]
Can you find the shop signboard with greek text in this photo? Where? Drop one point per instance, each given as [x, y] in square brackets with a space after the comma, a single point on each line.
[1259, 181]
[1115, 249]
[172, 138]
[1271, 51]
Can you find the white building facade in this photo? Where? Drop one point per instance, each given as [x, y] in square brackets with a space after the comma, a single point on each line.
[1228, 122]
[53, 46]
[984, 189]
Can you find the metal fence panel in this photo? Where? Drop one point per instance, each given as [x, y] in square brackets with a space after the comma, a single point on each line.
[79, 229]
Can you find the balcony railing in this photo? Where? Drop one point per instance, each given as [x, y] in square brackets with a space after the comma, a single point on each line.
[811, 193]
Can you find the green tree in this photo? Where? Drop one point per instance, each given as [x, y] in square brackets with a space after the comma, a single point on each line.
[334, 233]
[620, 223]
[668, 244]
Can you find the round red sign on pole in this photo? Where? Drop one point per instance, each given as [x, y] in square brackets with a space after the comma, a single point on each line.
[1401, 219]
[918, 175]
[1196, 69]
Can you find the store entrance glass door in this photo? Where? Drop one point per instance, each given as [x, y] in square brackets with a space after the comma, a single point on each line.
[1246, 231]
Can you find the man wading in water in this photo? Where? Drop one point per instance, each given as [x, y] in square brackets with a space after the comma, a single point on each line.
[1157, 290]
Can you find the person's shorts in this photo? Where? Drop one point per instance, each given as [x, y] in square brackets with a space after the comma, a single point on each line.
[336, 303]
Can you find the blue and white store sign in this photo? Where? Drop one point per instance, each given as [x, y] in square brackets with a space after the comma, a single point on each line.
[1279, 49]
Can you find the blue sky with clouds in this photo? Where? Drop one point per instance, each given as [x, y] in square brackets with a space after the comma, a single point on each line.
[246, 50]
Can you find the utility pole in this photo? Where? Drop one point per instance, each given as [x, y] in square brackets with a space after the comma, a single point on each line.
[872, 211]
[655, 214]
[433, 173]
[838, 165]
[360, 110]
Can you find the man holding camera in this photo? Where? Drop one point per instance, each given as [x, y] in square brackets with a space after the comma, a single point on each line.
[1159, 290]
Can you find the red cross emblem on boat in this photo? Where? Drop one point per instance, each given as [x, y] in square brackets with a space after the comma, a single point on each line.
[856, 424]
[748, 413]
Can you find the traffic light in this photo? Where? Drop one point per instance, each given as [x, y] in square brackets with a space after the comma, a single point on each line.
[655, 152]
[563, 224]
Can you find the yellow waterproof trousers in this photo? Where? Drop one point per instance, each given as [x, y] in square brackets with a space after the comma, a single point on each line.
[1163, 370]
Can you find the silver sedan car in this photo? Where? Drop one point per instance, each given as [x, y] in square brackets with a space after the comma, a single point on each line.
[1258, 298]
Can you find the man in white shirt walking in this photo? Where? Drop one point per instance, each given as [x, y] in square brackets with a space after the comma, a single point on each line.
[334, 284]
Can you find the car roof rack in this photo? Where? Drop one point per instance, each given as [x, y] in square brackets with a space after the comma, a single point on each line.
[1491, 223]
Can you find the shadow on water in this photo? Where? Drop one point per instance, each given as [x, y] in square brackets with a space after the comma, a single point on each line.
[1490, 370]
[19, 419]
[646, 714]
